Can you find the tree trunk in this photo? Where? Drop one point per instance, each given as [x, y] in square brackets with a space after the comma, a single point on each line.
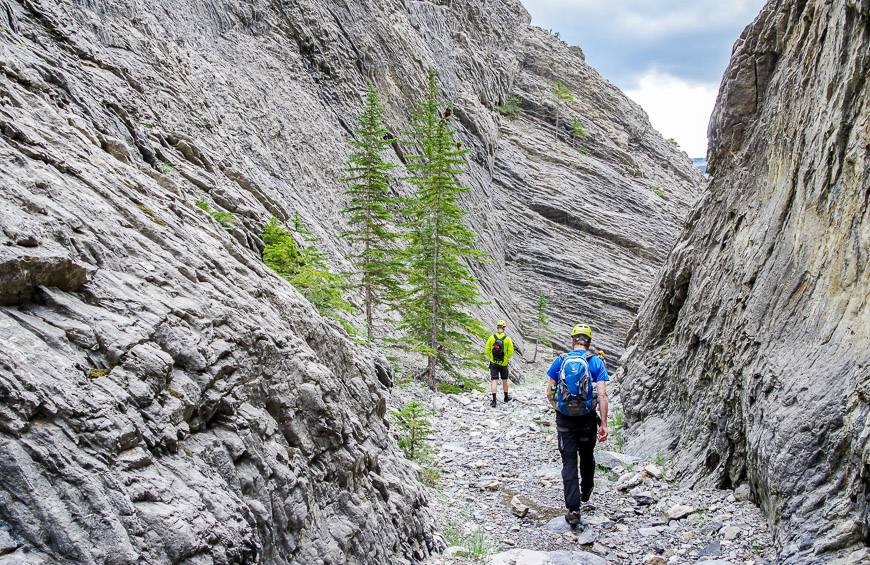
[369, 329]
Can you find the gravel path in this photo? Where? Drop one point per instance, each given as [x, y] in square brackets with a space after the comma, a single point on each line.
[500, 489]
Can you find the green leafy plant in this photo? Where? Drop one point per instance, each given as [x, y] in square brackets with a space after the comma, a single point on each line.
[616, 423]
[97, 373]
[657, 190]
[440, 287]
[298, 260]
[227, 220]
[511, 108]
[415, 425]
[564, 98]
[165, 167]
[659, 459]
[370, 211]
[477, 546]
[578, 130]
[448, 388]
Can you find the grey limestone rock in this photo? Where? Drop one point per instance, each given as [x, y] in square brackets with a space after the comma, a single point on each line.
[753, 344]
[163, 396]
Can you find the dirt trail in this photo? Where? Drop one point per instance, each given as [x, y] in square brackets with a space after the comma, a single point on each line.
[493, 462]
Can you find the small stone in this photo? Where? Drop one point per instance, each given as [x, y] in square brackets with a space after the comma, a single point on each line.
[612, 460]
[679, 511]
[558, 524]
[648, 532]
[641, 496]
[587, 536]
[654, 560]
[518, 508]
[654, 471]
[731, 532]
[628, 481]
[712, 549]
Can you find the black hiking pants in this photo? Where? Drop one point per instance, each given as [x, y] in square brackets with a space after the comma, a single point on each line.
[577, 437]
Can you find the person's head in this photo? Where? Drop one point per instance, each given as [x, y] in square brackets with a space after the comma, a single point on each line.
[500, 326]
[581, 336]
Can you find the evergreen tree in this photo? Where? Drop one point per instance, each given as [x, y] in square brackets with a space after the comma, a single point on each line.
[542, 325]
[440, 285]
[370, 210]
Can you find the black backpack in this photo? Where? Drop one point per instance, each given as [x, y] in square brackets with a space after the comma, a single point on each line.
[498, 348]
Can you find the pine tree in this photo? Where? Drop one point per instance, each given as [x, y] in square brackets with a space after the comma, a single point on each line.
[440, 285]
[370, 210]
[542, 325]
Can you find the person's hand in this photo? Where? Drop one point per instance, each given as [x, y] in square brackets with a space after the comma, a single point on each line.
[602, 433]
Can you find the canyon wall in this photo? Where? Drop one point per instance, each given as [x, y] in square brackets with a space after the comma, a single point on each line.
[163, 396]
[750, 359]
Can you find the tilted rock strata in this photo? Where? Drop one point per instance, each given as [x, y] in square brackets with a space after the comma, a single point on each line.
[752, 350]
[164, 397]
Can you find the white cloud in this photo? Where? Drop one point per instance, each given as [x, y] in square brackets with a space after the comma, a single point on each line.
[677, 108]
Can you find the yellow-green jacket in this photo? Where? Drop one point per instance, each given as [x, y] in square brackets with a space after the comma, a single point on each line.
[508, 349]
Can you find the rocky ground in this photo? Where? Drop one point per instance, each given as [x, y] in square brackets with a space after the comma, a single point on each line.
[499, 495]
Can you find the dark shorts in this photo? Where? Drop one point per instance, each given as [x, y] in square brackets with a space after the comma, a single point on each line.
[498, 371]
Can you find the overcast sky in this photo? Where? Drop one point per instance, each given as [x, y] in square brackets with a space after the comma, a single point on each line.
[668, 55]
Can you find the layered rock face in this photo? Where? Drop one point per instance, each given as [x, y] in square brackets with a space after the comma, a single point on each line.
[750, 358]
[163, 396]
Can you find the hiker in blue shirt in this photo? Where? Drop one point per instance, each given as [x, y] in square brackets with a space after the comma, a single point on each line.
[577, 422]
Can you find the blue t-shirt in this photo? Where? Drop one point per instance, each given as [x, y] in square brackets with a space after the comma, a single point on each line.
[597, 370]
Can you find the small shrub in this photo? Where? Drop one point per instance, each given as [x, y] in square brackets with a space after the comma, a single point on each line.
[448, 388]
[470, 384]
[415, 427]
[657, 190]
[562, 92]
[511, 108]
[227, 220]
[148, 125]
[430, 475]
[616, 423]
[578, 130]
[97, 373]
[165, 168]
[476, 545]
[659, 459]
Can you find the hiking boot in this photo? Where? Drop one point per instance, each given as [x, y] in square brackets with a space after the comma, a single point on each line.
[585, 495]
[507, 397]
[573, 518]
[493, 403]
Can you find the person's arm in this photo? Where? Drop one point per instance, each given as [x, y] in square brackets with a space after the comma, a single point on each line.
[489, 343]
[509, 349]
[552, 375]
[550, 401]
[602, 408]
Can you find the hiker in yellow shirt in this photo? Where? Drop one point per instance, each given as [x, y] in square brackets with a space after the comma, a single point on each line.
[499, 350]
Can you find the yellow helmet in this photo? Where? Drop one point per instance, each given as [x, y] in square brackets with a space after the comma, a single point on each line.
[582, 329]
[501, 324]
